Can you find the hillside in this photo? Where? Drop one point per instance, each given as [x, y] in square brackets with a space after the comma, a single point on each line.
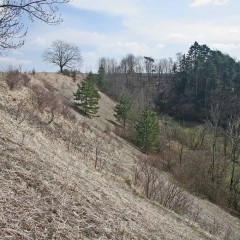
[50, 189]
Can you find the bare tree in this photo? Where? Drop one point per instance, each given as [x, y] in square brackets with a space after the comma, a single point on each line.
[147, 177]
[149, 66]
[62, 54]
[12, 13]
[99, 148]
[233, 133]
[214, 122]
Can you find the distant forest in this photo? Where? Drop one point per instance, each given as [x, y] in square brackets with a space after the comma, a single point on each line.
[186, 88]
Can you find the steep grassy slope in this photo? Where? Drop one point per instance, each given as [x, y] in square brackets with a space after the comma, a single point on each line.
[49, 188]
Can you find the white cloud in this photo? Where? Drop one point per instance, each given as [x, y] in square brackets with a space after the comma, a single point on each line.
[225, 46]
[14, 61]
[39, 41]
[152, 28]
[72, 35]
[160, 46]
[114, 7]
[90, 61]
[123, 48]
[201, 3]
[17, 52]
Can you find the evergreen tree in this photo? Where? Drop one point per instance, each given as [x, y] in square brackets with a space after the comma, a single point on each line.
[101, 82]
[147, 130]
[86, 97]
[200, 76]
[122, 110]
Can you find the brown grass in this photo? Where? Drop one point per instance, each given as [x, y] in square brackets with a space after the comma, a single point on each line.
[49, 188]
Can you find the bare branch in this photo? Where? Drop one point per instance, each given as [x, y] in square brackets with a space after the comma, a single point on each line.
[12, 29]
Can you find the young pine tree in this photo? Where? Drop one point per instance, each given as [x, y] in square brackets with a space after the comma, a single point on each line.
[86, 97]
[101, 81]
[122, 110]
[147, 130]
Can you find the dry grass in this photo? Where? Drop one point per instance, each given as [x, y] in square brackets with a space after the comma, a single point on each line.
[49, 188]
[50, 193]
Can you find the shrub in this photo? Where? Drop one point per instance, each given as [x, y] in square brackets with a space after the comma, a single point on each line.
[148, 179]
[25, 79]
[33, 71]
[41, 96]
[15, 79]
[47, 100]
[67, 113]
[70, 73]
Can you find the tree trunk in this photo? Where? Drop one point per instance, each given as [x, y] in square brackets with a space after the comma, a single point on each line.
[225, 146]
[232, 176]
[181, 154]
[213, 159]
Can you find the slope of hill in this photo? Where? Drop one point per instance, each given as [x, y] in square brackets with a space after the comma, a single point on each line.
[51, 189]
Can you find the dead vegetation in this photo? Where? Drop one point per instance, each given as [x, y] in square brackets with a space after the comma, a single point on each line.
[63, 177]
[16, 79]
[48, 192]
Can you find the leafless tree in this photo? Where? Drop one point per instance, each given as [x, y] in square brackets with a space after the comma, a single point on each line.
[62, 54]
[233, 133]
[214, 122]
[12, 13]
[15, 78]
[149, 65]
[147, 177]
[99, 160]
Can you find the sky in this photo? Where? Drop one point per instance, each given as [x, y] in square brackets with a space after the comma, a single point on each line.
[115, 28]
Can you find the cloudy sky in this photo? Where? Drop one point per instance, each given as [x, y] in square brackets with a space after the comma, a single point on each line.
[114, 28]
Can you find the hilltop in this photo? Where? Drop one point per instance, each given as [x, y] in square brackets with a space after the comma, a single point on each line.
[50, 188]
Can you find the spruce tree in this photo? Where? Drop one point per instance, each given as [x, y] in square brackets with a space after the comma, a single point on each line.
[86, 97]
[122, 110]
[101, 82]
[147, 130]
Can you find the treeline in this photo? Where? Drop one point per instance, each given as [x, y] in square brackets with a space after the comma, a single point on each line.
[140, 78]
[184, 88]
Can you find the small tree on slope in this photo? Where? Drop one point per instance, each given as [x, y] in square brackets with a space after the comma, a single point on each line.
[122, 110]
[86, 98]
[147, 130]
[101, 81]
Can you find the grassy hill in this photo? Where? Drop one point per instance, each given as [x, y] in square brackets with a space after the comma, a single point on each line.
[66, 176]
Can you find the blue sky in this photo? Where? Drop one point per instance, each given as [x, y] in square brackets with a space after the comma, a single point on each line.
[114, 28]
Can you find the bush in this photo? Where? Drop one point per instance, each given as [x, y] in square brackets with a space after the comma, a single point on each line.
[15, 79]
[41, 96]
[47, 100]
[70, 73]
[148, 179]
[33, 71]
